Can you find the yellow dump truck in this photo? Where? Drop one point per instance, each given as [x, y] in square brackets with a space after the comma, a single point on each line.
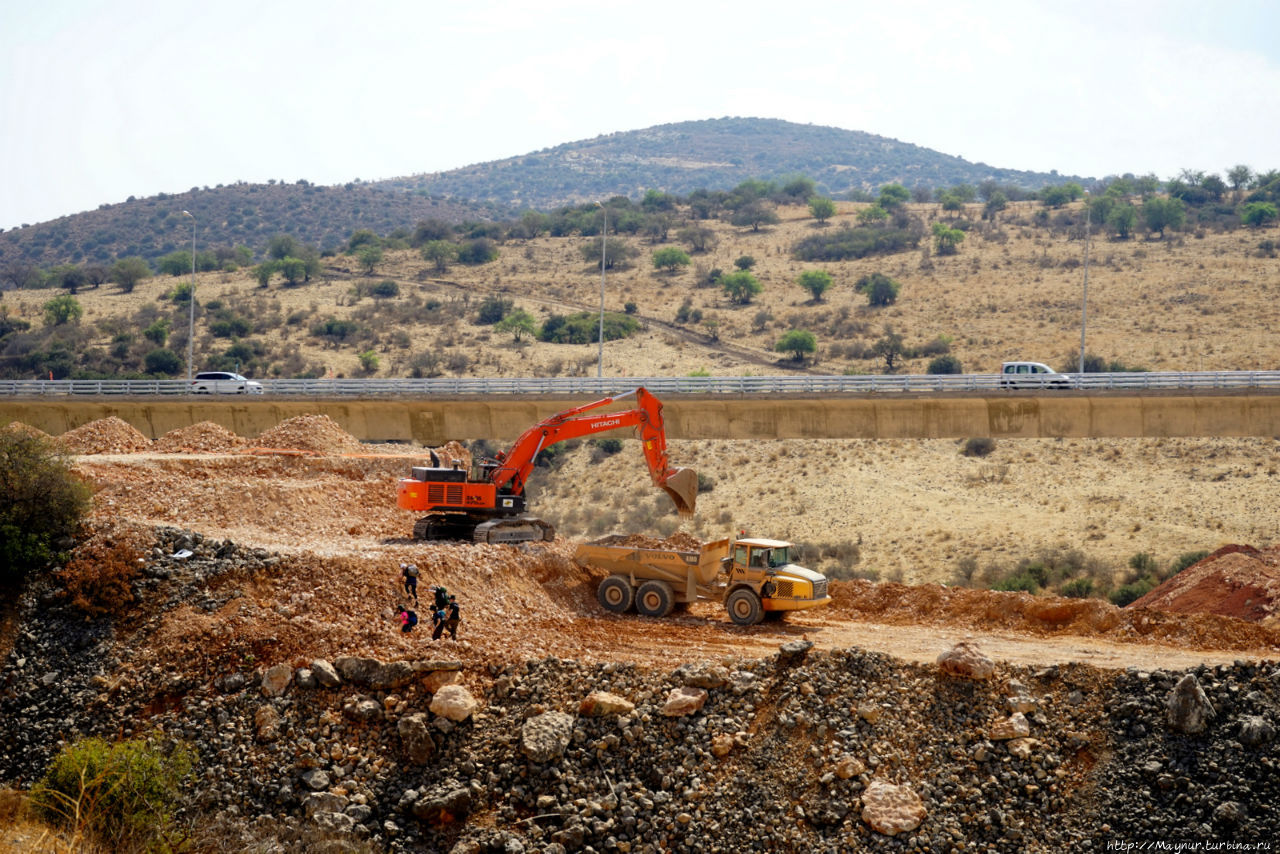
[755, 577]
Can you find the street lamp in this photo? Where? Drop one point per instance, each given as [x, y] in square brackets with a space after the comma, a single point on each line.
[604, 233]
[191, 298]
[1084, 299]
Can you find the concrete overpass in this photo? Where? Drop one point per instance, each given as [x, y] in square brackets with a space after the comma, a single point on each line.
[436, 419]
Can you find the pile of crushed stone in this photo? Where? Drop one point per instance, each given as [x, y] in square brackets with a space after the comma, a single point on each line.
[679, 541]
[318, 433]
[207, 437]
[1235, 581]
[109, 435]
[25, 429]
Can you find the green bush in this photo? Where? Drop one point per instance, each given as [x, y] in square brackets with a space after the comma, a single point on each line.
[1185, 560]
[1132, 592]
[124, 794]
[385, 289]
[945, 365]
[584, 328]
[608, 447]
[163, 361]
[846, 243]
[979, 447]
[1022, 581]
[41, 502]
[1077, 588]
[493, 309]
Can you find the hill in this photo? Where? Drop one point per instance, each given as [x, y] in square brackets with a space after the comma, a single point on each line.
[715, 154]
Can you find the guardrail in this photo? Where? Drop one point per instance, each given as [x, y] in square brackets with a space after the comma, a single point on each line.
[802, 384]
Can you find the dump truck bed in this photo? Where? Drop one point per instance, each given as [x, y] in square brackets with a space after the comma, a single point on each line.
[674, 566]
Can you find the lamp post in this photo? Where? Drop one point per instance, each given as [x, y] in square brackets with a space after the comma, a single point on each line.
[191, 298]
[604, 234]
[1084, 299]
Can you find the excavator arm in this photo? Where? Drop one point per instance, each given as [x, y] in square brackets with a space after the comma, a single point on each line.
[513, 467]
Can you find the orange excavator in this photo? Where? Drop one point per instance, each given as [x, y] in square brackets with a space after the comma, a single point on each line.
[488, 505]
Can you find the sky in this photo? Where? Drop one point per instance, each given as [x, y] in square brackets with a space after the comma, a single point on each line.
[103, 100]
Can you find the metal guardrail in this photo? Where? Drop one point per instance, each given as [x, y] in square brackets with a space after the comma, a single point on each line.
[803, 384]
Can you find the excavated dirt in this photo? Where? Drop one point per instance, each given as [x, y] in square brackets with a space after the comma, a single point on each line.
[331, 512]
[26, 429]
[1235, 581]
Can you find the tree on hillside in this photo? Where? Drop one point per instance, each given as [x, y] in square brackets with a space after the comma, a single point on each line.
[753, 215]
[890, 348]
[1239, 176]
[127, 272]
[798, 189]
[797, 342]
[945, 239]
[282, 246]
[816, 282]
[1258, 214]
[62, 310]
[369, 256]
[41, 502]
[1121, 219]
[71, 277]
[670, 259]
[698, 238]
[1161, 213]
[822, 209]
[893, 196]
[995, 203]
[175, 263]
[441, 253]
[741, 286]
[873, 215]
[744, 262]
[879, 289]
[294, 270]
[519, 323]
[616, 252]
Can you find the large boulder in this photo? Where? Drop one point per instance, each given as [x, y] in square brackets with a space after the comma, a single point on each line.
[601, 703]
[415, 737]
[1189, 710]
[683, 701]
[1255, 730]
[454, 702]
[1014, 726]
[702, 675]
[326, 676]
[373, 674]
[966, 661]
[545, 737]
[891, 809]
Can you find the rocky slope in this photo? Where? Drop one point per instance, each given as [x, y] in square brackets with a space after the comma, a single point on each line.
[439, 750]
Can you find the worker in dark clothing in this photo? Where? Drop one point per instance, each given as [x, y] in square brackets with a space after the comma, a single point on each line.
[442, 597]
[410, 575]
[452, 618]
[437, 620]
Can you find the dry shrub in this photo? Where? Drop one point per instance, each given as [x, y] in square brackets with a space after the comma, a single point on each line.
[98, 578]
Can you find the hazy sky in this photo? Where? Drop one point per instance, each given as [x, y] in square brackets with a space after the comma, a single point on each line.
[103, 100]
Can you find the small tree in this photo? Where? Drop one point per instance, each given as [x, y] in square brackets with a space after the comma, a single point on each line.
[744, 262]
[754, 214]
[873, 215]
[996, 202]
[889, 348]
[946, 239]
[62, 310]
[822, 208]
[441, 253]
[741, 286]
[294, 270]
[879, 288]
[893, 196]
[1258, 214]
[127, 272]
[158, 332]
[947, 364]
[41, 502]
[1121, 219]
[1161, 213]
[369, 256]
[519, 323]
[670, 259]
[816, 282]
[797, 342]
[368, 362]
[163, 361]
[264, 271]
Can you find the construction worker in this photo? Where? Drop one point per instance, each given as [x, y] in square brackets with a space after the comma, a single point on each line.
[442, 597]
[410, 574]
[452, 618]
[437, 620]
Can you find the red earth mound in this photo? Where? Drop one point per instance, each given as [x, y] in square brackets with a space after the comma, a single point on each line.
[1235, 581]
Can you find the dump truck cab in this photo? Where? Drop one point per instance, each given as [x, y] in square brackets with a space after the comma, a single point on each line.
[763, 582]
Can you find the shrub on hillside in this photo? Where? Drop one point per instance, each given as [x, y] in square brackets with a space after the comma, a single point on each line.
[847, 243]
[1133, 591]
[978, 447]
[41, 502]
[123, 794]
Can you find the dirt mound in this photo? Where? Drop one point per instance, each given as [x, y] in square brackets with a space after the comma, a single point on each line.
[109, 435]
[25, 429]
[680, 541]
[318, 433]
[932, 604]
[206, 437]
[1235, 581]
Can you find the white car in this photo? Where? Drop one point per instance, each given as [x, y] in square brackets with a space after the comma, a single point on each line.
[223, 382]
[1032, 375]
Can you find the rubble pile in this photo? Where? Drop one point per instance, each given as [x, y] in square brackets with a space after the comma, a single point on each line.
[25, 429]
[318, 433]
[110, 435]
[1235, 581]
[206, 437]
[679, 541]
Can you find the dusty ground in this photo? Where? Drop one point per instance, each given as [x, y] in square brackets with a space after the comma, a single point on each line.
[333, 516]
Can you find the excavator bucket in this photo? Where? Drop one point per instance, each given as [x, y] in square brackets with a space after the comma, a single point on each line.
[682, 486]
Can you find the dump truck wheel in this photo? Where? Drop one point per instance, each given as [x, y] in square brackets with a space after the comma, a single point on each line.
[615, 594]
[744, 607]
[655, 599]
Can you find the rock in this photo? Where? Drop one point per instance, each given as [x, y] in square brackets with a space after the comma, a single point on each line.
[1020, 748]
[415, 737]
[891, 809]
[454, 702]
[231, 683]
[601, 703]
[1255, 730]
[1189, 710]
[267, 721]
[683, 701]
[702, 675]
[318, 802]
[392, 675]
[334, 822]
[1229, 813]
[446, 808]
[1014, 726]
[545, 737]
[362, 709]
[277, 679]
[849, 766]
[305, 678]
[437, 679]
[325, 674]
[721, 745]
[870, 712]
[1026, 705]
[966, 661]
[315, 779]
[357, 670]
[794, 650]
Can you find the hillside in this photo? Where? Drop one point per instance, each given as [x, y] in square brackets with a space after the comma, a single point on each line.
[715, 154]
[711, 154]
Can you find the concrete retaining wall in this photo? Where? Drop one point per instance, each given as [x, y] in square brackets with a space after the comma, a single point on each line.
[436, 420]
